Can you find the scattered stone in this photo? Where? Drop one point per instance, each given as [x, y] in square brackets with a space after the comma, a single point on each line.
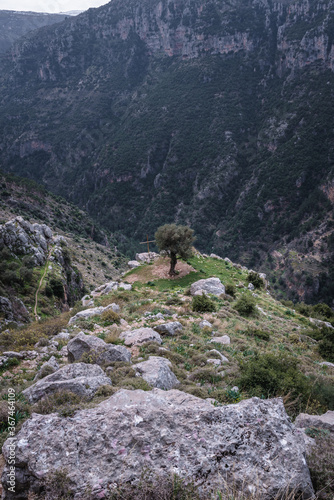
[125, 286]
[101, 352]
[214, 256]
[235, 388]
[210, 285]
[205, 324]
[146, 257]
[47, 368]
[140, 335]
[224, 340]
[79, 378]
[13, 354]
[251, 287]
[222, 357]
[151, 427]
[95, 311]
[62, 336]
[320, 323]
[216, 362]
[327, 363]
[87, 301]
[260, 308]
[169, 329]
[325, 421]
[133, 264]
[157, 373]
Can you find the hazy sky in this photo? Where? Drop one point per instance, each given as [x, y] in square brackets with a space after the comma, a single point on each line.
[50, 5]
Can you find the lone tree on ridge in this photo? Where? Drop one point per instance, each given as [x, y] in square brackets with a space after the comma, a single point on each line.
[176, 241]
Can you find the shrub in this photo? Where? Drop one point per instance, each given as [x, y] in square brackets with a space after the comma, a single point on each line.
[326, 345]
[109, 317]
[206, 375]
[202, 303]
[230, 290]
[255, 279]
[260, 334]
[63, 402]
[57, 287]
[245, 305]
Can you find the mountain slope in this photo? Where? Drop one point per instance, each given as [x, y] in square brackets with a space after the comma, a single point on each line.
[214, 114]
[14, 25]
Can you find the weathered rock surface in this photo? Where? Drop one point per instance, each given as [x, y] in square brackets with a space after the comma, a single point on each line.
[225, 340]
[170, 329]
[140, 335]
[146, 257]
[23, 238]
[210, 285]
[325, 421]
[101, 352]
[95, 311]
[222, 357]
[47, 368]
[133, 264]
[80, 378]
[327, 363]
[157, 373]
[250, 444]
[320, 323]
[205, 324]
[12, 311]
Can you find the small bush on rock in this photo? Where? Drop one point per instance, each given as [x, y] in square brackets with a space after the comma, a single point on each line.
[255, 279]
[109, 317]
[202, 303]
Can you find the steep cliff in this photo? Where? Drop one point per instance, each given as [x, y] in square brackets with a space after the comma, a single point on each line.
[215, 114]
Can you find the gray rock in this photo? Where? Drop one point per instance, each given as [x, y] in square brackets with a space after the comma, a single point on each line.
[12, 311]
[214, 256]
[62, 336]
[222, 357]
[125, 286]
[327, 363]
[252, 444]
[47, 368]
[23, 238]
[157, 373]
[325, 421]
[205, 324]
[251, 287]
[79, 378]
[224, 340]
[95, 311]
[140, 335]
[319, 323]
[215, 362]
[133, 264]
[210, 285]
[146, 257]
[101, 352]
[13, 354]
[170, 329]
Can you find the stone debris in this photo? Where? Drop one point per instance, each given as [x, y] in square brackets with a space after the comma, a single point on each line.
[95, 311]
[224, 340]
[325, 421]
[210, 285]
[170, 329]
[101, 352]
[156, 371]
[140, 335]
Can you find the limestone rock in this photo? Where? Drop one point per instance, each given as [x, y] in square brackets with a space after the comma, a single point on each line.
[225, 340]
[102, 352]
[140, 335]
[222, 357]
[327, 363]
[157, 373]
[252, 443]
[325, 421]
[80, 378]
[47, 368]
[210, 285]
[170, 329]
[214, 256]
[133, 264]
[146, 257]
[95, 311]
[12, 311]
[215, 362]
[205, 324]
[23, 238]
[320, 324]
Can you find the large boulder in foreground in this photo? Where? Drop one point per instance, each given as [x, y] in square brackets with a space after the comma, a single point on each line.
[210, 285]
[100, 351]
[81, 378]
[252, 445]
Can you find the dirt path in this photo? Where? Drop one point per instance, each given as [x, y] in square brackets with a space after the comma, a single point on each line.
[40, 284]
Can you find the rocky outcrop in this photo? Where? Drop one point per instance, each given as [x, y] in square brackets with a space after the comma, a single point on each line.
[79, 378]
[95, 311]
[253, 445]
[224, 340]
[12, 311]
[23, 238]
[146, 257]
[100, 352]
[47, 368]
[210, 285]
[325, 421]
[157, 372]
[169, 329]
[140, 336]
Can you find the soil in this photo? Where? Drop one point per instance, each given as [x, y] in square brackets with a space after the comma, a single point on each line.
[160, 269]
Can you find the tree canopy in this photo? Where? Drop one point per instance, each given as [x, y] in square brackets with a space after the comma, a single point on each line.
[176, 241]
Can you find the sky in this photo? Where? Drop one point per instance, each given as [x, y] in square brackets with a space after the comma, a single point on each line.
[51, 6]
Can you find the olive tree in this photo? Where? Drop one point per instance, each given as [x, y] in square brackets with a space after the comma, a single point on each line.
[176, 241]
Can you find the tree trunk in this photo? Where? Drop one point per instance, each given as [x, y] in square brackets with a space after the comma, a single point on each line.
[173, 261]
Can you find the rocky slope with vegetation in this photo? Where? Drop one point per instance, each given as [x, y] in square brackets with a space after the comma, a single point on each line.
[123, 374]
[14, 25]
[214, 114]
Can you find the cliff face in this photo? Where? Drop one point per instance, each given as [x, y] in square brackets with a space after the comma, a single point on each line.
[214, 114]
